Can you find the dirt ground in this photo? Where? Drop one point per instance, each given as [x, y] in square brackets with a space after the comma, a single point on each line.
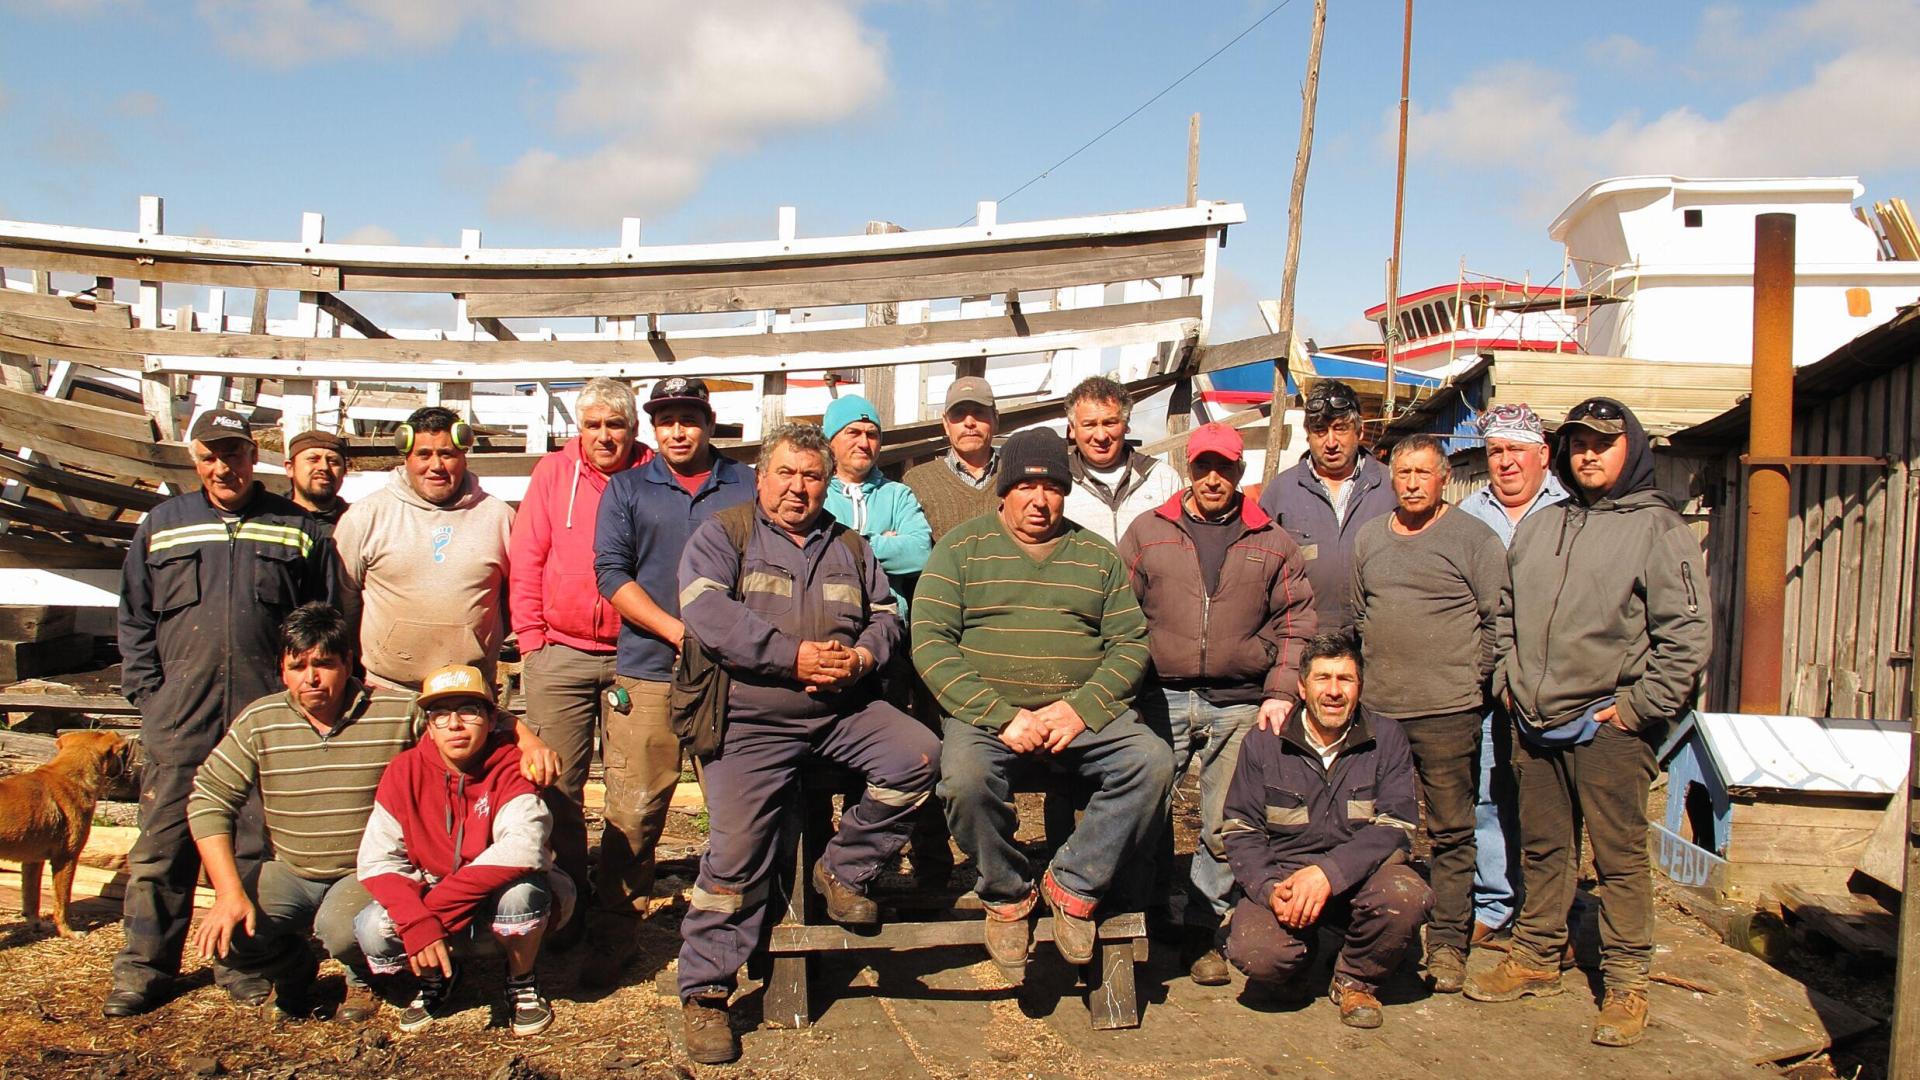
[50, 992]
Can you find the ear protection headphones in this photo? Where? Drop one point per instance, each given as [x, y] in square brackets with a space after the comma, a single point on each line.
[461, 431]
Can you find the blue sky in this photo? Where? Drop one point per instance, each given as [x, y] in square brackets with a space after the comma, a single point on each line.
[542, 123]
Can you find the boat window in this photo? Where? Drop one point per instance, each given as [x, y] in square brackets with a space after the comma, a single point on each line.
[1692, 219]
[1443, 314]
[1477, 310]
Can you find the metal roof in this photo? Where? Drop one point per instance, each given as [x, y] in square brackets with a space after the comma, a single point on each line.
[1801, 753]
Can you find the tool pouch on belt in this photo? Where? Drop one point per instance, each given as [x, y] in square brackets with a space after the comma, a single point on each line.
[697, 700]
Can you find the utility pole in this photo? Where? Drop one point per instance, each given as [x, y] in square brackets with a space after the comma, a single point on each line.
[1309, 95]
[1399, 214]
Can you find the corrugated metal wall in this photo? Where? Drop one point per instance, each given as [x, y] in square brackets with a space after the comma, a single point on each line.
[1851, 551]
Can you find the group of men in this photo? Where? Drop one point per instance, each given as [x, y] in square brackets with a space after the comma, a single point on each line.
[1334, 654]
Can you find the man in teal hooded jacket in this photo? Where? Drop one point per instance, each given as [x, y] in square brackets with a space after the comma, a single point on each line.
[885, 512]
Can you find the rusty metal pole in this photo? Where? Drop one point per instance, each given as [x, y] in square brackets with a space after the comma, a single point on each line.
[1769, 442]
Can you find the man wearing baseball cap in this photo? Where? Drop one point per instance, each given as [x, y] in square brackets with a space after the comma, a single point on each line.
[1519, 484]
[208, 579]
[959, 484]
[645, 517]
[316, 466]
[1228, 609]
[1602, 640]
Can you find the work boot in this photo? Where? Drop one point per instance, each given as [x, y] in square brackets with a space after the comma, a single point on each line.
[123, 1002]
[1358, 1008]
[1622, 1020]
[250, 990]
[1446, 969]
[1511, 980]
[1073, 926]
[708, 1031]
[292, 988]
[360, 1005]
[845, 904]
[612, 941]
[1488, 937]
[1205, 965]
[1010, 935]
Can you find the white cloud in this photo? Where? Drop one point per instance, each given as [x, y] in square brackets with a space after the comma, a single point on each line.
[660, 89]
[1621, 51]
[137, 104]
[369, 234]
[1851, 114]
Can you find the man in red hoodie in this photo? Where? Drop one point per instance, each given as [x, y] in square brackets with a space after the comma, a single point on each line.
[569, 638]
[457, 845]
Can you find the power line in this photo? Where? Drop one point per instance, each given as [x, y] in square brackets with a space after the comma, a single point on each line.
[1044, 173]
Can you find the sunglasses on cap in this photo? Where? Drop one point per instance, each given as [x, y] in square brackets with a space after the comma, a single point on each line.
[1596, 409]
[1330, 403]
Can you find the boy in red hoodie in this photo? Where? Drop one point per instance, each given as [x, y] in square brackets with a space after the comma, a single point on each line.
[458, 844]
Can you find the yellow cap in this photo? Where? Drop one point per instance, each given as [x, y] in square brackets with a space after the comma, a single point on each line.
[455, 680]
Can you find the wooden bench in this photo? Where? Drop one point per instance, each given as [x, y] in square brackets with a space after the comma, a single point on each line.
[802, 932]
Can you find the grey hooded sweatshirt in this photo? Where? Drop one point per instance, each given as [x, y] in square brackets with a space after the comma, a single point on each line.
[1608, 598]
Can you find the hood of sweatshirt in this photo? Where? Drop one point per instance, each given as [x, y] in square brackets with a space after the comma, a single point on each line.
[1636, 478]
[464, 498]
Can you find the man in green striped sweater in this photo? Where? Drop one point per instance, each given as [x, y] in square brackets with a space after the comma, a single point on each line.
[314, 756]
[1026, 629]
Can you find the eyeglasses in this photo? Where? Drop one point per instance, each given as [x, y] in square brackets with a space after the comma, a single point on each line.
[458, 715]
[1597, 409]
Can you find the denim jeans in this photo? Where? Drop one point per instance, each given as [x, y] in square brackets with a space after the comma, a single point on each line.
[1129, 763]
[1496, 830]
[291, 906]
[519, 908]
[1187, 716]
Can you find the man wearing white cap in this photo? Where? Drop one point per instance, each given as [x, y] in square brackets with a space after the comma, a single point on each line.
[1518, 484]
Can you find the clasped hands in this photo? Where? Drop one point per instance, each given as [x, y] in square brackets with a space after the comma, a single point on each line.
[829, 665]
[1298, 900]
[1050, 728]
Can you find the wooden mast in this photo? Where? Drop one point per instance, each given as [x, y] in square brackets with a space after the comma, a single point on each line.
[1309, 95]
[1399, 213]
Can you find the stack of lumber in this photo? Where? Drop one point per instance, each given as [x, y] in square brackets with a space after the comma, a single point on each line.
[1893, 224]
[36, 641]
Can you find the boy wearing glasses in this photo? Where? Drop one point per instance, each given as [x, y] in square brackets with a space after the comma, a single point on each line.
[1324, 499]
[458, 843]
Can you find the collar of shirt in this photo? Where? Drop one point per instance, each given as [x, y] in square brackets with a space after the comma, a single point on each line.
[1486, 506]
[1342, 499]
[978, 483]
[1331, 750]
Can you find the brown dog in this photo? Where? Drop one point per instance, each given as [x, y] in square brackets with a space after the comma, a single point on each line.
[45, 815]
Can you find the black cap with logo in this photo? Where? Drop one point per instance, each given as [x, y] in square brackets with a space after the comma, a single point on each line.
[677, 389]
[215, 425]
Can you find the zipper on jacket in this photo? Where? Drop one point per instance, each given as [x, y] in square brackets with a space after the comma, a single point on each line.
[1554, 609]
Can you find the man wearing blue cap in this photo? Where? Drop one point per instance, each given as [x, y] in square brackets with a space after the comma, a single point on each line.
[886, 513]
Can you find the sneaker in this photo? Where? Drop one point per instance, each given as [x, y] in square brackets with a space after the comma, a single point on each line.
[361, 1004]
[528, 1013]
[1622, 1020]
[1446, 969]
[845, 904]
[429, 1000]
[1511, 980]
[1358, 1008]
[1073, 926]
[708, 1030]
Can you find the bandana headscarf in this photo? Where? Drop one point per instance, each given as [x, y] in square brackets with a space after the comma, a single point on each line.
[1514, 423]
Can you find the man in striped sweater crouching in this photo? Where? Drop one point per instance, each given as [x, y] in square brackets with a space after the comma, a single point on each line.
[1028, 633]
[312, 758]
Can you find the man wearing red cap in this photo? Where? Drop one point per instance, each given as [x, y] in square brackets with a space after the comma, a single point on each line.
[1228, 610]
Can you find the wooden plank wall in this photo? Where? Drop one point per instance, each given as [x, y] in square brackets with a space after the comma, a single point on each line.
[1851, 555]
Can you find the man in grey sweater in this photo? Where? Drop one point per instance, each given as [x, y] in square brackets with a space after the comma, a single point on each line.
[1426, 590]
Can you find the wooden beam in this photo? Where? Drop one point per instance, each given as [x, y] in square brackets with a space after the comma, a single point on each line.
[80, 308]
[173, 270]
[20, 551]
[1235, 353]
[347, 315]
[1148, 321]
[65, 482]
[46, 517]
[746, 288]
[75, 414]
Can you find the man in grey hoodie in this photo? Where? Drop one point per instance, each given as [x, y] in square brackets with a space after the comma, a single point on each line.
[1603, 637]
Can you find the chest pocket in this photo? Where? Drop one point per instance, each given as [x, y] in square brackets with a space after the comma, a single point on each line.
[843, 604]
[766, 589]
[1360, 806]
[1285, 810]
[277, 571]
[175, 576]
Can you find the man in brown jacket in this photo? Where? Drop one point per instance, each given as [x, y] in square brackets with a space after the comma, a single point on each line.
[1228, 611]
